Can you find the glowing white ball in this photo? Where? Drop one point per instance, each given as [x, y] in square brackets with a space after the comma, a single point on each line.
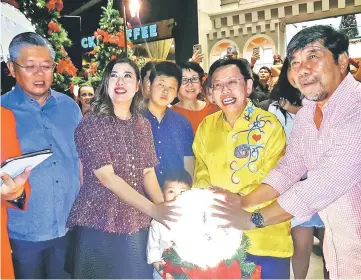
[196, 235]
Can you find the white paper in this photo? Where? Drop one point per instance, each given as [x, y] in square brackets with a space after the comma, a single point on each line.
[17, 166]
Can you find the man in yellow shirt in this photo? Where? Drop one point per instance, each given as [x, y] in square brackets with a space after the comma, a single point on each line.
[235, 149]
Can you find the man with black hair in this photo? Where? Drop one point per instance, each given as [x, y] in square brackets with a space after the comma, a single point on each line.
[235, 149]
[264, 75]
[326, 143]
[159, 237]
[144, 76]
[172, 133]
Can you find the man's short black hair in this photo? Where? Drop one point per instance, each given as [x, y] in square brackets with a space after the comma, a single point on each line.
[179, 176]
[265, 68]
[336, 42]
[147, 67]
[168, 69]
[242, 64]
[189, 65]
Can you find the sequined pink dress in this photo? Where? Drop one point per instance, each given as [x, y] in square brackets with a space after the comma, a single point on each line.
[110, 233]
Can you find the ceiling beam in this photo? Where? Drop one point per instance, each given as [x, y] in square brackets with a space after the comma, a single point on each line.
[84, 7]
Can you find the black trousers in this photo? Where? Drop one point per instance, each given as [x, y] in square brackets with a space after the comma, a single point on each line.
[40, 260]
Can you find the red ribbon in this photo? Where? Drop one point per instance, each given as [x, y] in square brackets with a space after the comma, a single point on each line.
[222, 271]
[172, 270]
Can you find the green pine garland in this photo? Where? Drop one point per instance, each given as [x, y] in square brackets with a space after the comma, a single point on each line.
[247, 268]
[348, 26]
[111, 20]
[171, 255]
[40, 16]
[112, 24]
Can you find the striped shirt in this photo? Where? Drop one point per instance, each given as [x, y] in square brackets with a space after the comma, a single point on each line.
[332, 158]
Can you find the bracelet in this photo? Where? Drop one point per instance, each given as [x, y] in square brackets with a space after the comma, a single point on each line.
[19, 202]
[16, 200]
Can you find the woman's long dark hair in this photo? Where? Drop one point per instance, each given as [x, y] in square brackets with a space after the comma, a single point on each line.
[103, 105]
[284, 89]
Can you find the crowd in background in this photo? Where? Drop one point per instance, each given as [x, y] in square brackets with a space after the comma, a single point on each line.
[146, 135]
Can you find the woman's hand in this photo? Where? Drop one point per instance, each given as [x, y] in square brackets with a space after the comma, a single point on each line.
[165, 212]
[12, 188]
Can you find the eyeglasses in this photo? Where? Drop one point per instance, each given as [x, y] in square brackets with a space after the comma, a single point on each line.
[35, 68]
[193, 80]
[231, 83]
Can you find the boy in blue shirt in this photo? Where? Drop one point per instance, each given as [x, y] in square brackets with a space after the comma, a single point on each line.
[172, 133]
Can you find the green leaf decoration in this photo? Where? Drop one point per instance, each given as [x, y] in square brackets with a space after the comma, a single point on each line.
[182, 276]
[247, 268]
[40, 4]
[110, 22]
[40, 17]
[171, 255]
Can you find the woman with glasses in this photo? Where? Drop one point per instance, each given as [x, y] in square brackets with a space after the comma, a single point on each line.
[85, 97]
[189, 105]
[111, 215]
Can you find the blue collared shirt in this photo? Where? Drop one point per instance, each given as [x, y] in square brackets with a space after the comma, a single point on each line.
[173, 139]
[54, 183]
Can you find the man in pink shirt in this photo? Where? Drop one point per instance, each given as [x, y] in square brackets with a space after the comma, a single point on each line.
[326, 143]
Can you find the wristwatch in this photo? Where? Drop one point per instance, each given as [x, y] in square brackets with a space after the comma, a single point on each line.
[257, 219]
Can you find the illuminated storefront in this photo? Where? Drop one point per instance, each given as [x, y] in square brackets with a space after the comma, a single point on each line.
[247, 24]
[153, 41]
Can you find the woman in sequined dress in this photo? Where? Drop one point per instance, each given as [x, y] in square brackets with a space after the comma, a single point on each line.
[111, 216]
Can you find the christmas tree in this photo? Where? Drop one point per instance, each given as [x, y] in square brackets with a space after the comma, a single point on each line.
[348, 26]
[45, 15]
[111, 44]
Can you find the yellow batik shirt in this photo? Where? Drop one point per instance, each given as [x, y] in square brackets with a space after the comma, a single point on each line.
[238, 159]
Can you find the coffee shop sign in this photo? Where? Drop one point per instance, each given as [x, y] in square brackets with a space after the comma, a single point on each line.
[134, 34]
